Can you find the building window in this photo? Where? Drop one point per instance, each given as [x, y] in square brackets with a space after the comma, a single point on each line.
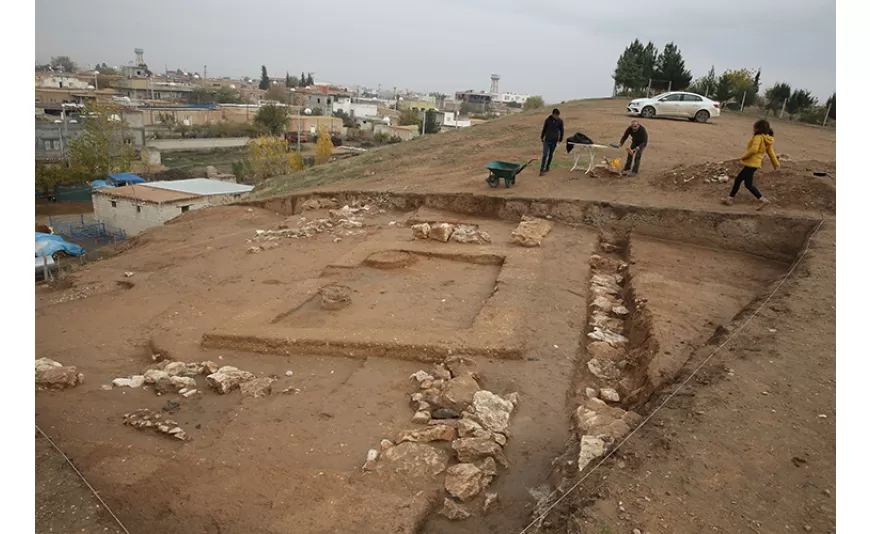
[56, 144]
[138, 209]
[114, 204]
[47, 145]
[185, 209]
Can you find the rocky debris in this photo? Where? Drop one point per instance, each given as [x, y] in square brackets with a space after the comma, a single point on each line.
[441, 231]
[453, 511]
[420, 418]
[179, 369]
[513, 398]
[602, 303]
[620, 311]
[489, 501]
[437, 432]
[334, 297]
[416, 460]
[459, 392]
[592, 393]
[187, 393]
[422, 376]
[146, 418]
[441, 371]
[121, 383]
[488, 466]
[609, 395]
[152, 376]
[461, 365]
[531, 232]
[54, 375]
[591, 448]
[421, 231]
[288, 373]
[471, 449]
[595, 418]
[256, 388]
[386, 444]
[466, 233]
[464, 481]
[137, 381]
[608, 336]
[606, 264]
[371, 458]
[601, 320]
[182, 382]
[491, 411]
[228, 378]
[603, 369]
[318, 204]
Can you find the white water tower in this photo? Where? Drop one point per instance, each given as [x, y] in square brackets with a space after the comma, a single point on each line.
[140, 56]
[493, 85]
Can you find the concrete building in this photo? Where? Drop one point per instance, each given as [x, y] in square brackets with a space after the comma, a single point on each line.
[61, 81]
[135, 208]
[53, 138]
[147, 89]
[356, 108]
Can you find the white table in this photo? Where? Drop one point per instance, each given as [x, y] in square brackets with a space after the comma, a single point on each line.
[591, 151]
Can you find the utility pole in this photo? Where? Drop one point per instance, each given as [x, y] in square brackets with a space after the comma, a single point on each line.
[648, 87]
[782, 111]
[669, 86]
[743, 101]
[827, 113]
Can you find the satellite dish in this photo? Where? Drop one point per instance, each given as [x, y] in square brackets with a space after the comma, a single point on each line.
[307, 111]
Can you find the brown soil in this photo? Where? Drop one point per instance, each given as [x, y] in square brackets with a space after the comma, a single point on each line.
[741, 448]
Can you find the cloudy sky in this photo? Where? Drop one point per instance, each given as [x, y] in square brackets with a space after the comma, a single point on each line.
[561, 49]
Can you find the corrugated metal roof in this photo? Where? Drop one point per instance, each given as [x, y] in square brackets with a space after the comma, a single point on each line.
[201, 186]
[142, 193]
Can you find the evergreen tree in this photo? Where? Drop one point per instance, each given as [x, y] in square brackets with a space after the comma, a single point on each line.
[672, 68]
[303, 80]
[650, 61]
[264, 79]
[629, 68]
[287, 81]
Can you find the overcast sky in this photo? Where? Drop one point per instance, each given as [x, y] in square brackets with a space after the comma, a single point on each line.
[561, 49]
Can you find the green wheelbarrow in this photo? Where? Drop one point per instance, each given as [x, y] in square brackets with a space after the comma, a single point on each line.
[505, 170]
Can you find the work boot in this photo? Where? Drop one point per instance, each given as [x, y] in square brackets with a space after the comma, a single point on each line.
[763, 203]
[728, 201]
[632, 174]
[543, 172]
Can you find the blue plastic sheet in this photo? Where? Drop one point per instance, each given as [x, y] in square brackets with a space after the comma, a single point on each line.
[96, 185]
[49, 244]
[125, 178]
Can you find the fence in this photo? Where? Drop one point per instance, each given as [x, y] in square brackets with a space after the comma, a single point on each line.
[86, 232]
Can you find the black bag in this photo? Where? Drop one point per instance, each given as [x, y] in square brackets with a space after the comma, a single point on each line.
[578, 139]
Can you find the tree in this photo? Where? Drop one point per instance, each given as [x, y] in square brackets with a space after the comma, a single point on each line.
[801, 100]
[276, 93]
[223, 95]
[270, 156]
[63, 63]
[102, 148]
[832, 101]
[167, 118]
[757, 81]
[272, 118]
[409, 117]
[303, 81]
[346, 120]
[706, 85]
[106, 70]
[649, 61]
[264, 79]
[671, 67]
[628, 74]
[533, 102]
[740, 81]
[431, 122]
[724, 91]
[324, 146]
[310, 80]
[777, 95]
[287, 81]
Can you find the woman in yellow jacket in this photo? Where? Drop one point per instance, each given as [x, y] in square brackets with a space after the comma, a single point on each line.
[761, 143]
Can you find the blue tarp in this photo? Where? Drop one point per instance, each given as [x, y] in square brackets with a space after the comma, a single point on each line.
[48, 244]
[125, 178]
[100, 184]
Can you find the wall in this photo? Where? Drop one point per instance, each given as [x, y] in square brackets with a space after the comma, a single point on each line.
[186, 116]
[357, 109]
[45, 96]
[309, 123]
[197, 144]
[125, 215]
[403, 133]
[50, 133]
[64, 82]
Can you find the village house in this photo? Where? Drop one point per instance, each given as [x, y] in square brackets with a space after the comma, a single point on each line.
[136, 208]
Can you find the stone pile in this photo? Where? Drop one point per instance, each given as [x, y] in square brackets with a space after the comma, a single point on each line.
[169, 376]
[54, 375]
[451, 408]
[458, 233]
[157, 422]
[607, 343]
[531, 232]
[599, 427]
[341, 221]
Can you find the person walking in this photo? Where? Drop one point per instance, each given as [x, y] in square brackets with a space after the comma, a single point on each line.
[639, 139]
[551, 135]
[760, 144]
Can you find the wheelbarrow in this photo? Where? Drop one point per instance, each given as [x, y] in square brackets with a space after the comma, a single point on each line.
[507, 171]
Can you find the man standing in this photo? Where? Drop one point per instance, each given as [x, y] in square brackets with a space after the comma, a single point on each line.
[639, 140]
[551, 135]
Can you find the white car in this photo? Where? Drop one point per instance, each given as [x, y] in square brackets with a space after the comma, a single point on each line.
[675, 104]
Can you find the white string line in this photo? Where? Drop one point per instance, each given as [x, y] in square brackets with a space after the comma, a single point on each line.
[682, 384]
[79, 473]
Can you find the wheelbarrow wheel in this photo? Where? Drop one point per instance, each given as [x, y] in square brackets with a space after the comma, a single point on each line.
[492, 181]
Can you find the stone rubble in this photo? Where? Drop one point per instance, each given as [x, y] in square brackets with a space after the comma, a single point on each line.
[441, 231]
[457, 233]
[54, 375]
[531, 232]
[256, 388]
[145, 418]
[454, 409]
[334, 297]
[489, 501]
[227, 378]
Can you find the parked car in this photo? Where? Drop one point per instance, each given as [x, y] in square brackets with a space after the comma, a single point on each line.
[675, 104]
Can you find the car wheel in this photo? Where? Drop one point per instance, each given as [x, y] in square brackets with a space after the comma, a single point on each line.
[648, 112]
[702, 116]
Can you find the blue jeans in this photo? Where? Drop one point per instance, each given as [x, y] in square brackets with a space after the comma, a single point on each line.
[549, 150]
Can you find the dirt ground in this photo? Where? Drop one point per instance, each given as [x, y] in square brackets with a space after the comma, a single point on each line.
[742, 448]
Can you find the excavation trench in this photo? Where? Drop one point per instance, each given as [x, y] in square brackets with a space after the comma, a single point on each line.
[655, 284]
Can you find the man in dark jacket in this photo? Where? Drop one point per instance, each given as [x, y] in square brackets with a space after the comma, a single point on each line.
[551, 135]
[639, 140]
